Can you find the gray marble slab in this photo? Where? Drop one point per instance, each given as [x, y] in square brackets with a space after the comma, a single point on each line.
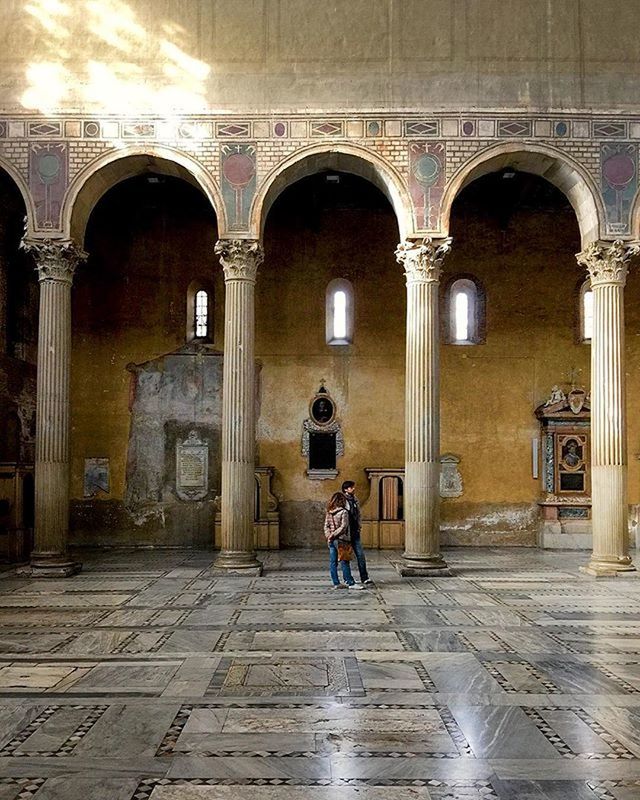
[502, 732]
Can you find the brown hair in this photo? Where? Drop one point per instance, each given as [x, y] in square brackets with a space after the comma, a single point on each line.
[338, 500]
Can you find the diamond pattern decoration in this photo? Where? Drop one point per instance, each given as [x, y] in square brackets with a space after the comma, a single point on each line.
[609, 130]
[45, 129]
[421, 129]
[514, 128]
[232, 130]
[328, 128]
[138, 129]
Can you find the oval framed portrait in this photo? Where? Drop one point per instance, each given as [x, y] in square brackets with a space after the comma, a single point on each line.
[322, 409]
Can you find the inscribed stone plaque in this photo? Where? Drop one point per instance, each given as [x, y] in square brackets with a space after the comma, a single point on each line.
[96, 476]
[192, 468]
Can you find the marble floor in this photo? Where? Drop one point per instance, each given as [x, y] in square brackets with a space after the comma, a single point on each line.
[151, 677]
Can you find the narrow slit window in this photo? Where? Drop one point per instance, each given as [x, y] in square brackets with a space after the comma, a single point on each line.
[465, 312]
[339, 312]
[462, 316]
[201, 314]
[339, 315]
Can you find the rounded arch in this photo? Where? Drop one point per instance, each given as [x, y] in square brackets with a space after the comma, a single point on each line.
[547, 162]
[92, 182]
[634, 217]
[340, 157]
[23, 188]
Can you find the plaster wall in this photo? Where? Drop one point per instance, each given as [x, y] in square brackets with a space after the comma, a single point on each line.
[166, 56]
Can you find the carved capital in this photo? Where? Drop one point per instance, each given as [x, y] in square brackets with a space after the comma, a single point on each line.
[240, 258]
[422, 261]
[56, 259]
[607, 262]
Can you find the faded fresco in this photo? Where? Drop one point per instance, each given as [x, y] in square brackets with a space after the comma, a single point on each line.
[619, 183]
[48, 177]
[238, 179]
[426, 182]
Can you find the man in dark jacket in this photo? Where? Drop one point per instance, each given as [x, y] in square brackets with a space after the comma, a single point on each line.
[353, 507]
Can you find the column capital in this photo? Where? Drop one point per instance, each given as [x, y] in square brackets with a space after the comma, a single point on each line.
[240, 258]
[607, 262]
[56, 259]
[422, 261]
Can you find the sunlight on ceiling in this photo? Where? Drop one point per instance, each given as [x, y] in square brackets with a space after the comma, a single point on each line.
[98, 55]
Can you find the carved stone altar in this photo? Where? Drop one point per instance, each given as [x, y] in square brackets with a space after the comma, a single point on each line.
[565, 507]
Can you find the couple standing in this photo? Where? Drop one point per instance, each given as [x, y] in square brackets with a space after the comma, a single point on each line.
[342, 532]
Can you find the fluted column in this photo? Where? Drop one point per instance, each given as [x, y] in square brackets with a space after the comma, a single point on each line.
[422, 264]
[607, 267]
[240, 260]
[56, 263]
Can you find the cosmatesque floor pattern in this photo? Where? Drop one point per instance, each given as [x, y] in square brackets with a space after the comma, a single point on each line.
[150, 676]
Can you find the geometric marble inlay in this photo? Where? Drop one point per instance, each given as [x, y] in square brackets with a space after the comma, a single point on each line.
[327, 128]
[421, 129]
[231, 130]
[609, 129]
[152, 676]
[514, 128]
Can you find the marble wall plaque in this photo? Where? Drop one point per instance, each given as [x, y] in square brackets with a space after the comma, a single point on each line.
[192, 468]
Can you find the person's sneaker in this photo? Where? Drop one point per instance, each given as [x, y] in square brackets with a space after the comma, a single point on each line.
[337, 586]
[368, 582]
[356, 586]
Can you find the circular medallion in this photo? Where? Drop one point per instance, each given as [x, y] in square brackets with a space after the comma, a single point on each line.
[238, 169]
[426, 169]
[279, 129]
[619, 170]
[48, 167]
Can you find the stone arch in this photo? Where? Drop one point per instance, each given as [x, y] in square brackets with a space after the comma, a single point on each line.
[634, 218]
[23, 188]
[340, 157]
[103, 173]
[554, 165]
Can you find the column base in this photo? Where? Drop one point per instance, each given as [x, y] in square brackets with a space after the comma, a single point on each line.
[238, 562]
[427, 567]
[622, 568]
[42, 566]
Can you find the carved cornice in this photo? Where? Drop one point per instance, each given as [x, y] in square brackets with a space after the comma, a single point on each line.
[607, 262]
[56, 259]
[422, 261]
[240, 258]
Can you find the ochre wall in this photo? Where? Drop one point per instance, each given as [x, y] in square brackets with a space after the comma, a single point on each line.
[129, 306]
[147, 242]
[263, 55]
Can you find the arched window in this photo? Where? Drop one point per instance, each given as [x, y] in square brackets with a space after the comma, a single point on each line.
[464, 312]
[199, 312]
[586, 312]
[202, 314]
[339, 312]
